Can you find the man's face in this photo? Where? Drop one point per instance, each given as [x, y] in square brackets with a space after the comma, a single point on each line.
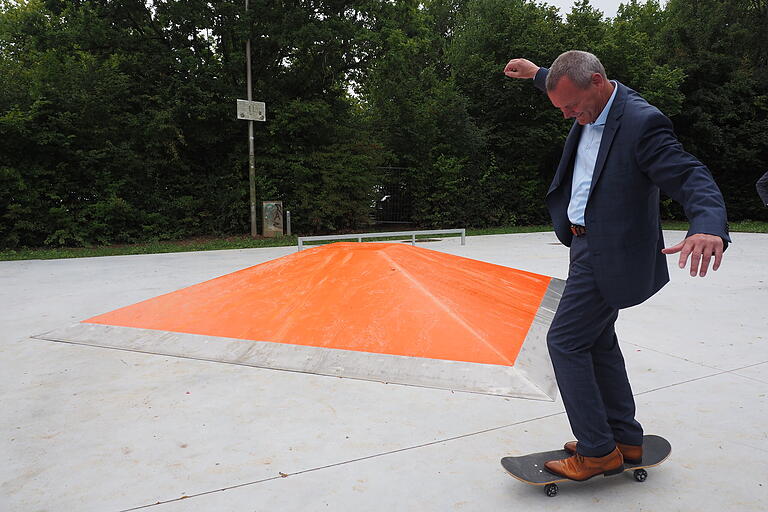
[583, 104]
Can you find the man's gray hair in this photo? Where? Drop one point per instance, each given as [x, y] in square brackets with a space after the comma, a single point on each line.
[578, 66]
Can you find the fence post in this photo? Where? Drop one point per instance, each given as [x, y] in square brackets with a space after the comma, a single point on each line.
[288, 221]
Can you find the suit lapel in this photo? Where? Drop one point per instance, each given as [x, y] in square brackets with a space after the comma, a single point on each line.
[611, 126]
[566, 161]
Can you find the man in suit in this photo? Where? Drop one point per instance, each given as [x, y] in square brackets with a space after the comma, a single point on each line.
[604, 203]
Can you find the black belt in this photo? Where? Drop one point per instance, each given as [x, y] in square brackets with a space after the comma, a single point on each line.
[578, 230]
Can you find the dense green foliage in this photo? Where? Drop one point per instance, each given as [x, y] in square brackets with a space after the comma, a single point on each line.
[117, 116]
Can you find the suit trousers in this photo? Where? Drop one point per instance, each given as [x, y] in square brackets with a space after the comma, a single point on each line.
[588, 363]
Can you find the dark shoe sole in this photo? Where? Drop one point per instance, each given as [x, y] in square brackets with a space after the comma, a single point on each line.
[616, 471]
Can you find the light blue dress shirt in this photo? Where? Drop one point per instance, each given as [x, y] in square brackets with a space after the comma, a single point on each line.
[584, 165]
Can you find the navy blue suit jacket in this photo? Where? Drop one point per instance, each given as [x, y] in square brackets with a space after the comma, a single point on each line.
[639, 154]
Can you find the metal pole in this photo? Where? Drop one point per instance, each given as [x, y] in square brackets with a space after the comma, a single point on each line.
[288, 221]
[251, 156]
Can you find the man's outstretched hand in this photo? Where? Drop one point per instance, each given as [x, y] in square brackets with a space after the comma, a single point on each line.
[520, 68]
[700, 248]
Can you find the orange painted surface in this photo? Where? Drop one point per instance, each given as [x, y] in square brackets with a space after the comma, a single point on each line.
[370, 297]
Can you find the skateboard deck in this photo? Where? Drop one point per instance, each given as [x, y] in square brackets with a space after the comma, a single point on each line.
[530, 468]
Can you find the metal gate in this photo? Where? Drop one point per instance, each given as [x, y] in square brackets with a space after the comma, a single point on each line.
[394, 203]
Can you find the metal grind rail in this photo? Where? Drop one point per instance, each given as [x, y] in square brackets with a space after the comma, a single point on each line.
[397, 234]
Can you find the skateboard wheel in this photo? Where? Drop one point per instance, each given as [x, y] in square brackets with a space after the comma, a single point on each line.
[551, 490]
[641, 475]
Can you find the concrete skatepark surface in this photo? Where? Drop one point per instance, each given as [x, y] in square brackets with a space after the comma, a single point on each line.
[94, 429]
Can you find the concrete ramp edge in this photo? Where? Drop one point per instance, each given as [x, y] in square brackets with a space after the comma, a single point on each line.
[521, 381]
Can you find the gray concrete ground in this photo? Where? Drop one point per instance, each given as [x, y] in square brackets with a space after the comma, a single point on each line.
[93, 429]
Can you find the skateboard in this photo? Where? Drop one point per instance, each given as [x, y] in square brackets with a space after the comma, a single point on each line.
[530, 468]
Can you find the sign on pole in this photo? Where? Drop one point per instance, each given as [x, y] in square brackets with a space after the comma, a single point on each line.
[251, 110]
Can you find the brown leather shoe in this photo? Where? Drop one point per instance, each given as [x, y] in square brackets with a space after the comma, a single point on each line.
[632, 454]
[579, 467]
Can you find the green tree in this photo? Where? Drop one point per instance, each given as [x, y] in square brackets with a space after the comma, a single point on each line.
[411, 101]
[631, 50]
[722, 49]
[117, 117]
[523, 133]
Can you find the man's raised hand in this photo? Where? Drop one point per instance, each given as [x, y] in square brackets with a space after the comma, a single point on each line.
[520, 68]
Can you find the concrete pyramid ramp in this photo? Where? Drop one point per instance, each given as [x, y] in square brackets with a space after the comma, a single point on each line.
[385, 312]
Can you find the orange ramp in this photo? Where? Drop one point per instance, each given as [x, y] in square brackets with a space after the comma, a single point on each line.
[380, 311]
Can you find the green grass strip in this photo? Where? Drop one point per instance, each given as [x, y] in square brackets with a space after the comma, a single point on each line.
[246, 242]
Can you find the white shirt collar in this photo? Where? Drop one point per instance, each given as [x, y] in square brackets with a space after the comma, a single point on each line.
[603, 117]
